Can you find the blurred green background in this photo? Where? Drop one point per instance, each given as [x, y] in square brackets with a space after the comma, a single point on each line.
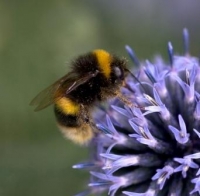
[38, 39]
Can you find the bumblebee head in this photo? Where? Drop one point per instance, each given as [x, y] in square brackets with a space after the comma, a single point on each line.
[118, 73]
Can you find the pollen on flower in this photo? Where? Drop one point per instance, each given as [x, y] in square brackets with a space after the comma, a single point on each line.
[154, 149]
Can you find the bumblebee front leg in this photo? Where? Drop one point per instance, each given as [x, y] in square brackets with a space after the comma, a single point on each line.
[121, 97]
[126, 101]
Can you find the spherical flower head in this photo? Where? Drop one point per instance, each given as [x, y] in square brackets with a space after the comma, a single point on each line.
[152, 149]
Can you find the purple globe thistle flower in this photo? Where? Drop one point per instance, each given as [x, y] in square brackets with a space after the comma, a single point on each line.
[152, 149]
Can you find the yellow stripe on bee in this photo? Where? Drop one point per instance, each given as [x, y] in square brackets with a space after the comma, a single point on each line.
[104, 61]
[67, 106]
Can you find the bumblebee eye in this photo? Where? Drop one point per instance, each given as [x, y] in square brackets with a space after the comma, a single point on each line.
[117, 71]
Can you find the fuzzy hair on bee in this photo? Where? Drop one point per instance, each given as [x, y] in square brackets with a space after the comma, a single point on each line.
[94, 77]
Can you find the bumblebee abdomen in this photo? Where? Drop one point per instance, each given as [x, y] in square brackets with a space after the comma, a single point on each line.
[67, 106]
[67, 112]
[80, 135]
[72, 122]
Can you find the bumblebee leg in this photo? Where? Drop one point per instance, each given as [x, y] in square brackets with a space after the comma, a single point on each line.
[84, 114]
[121, 97]
[126, 101]
[88, 119]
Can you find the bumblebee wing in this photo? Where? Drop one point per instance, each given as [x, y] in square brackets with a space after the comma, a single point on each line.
[52, 93]
[80, 81]
[59, 89]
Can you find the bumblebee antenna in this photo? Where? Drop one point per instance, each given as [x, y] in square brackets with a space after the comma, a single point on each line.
[135, 78]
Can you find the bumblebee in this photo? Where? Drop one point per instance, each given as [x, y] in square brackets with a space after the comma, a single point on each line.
[94, 77]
